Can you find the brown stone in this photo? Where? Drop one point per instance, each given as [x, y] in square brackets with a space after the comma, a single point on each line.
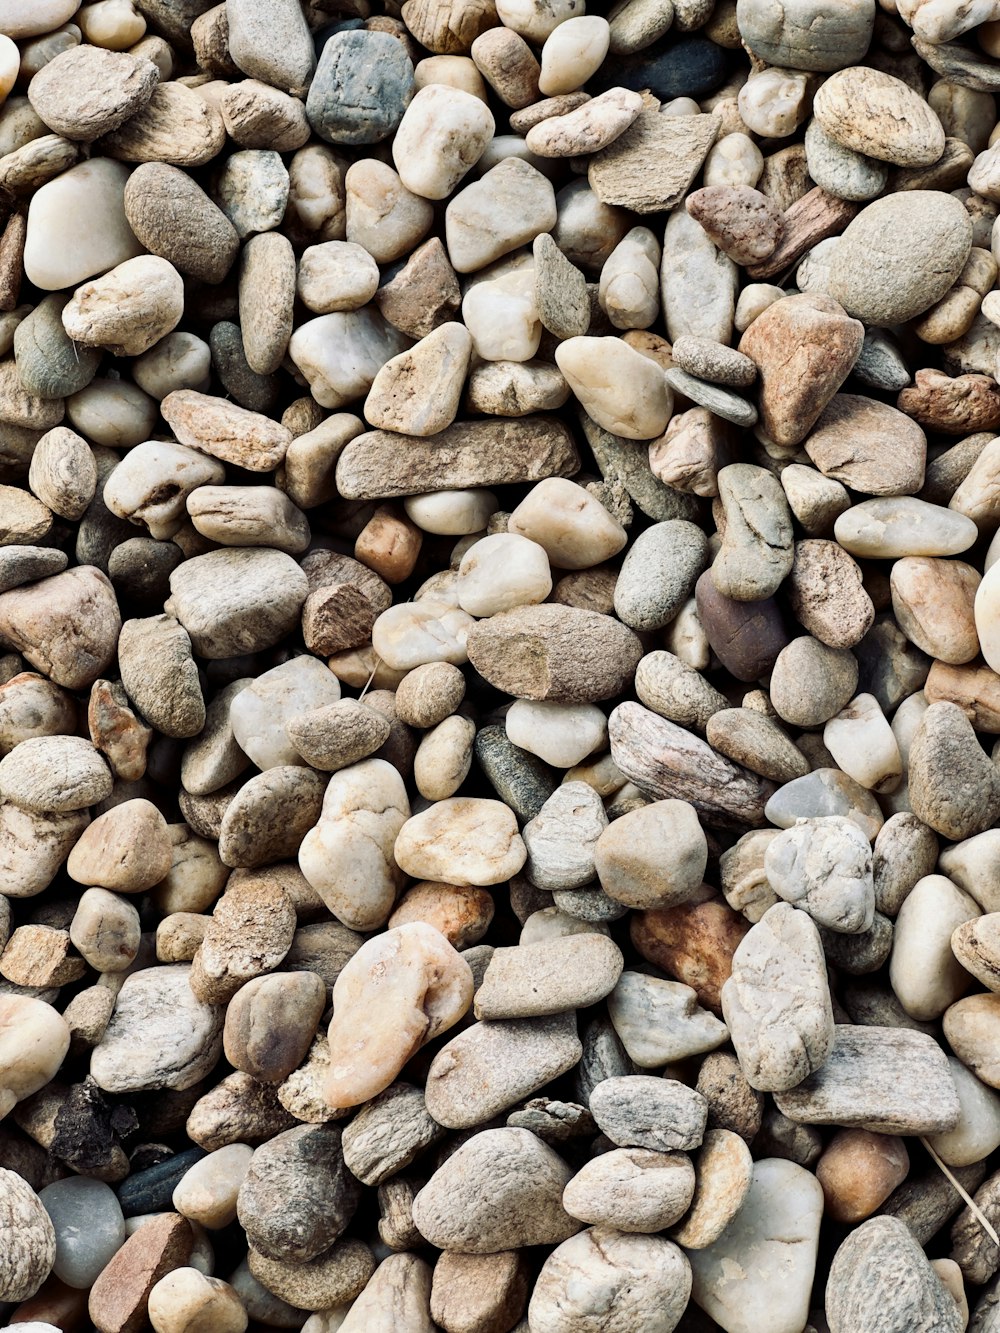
[127, 849]
[67, 626]
[389, 543]
[742, 222]
[336, 617]
[869, 446]
[174, 218]
[480, 1293]
[382, 464]
[250, 932]
[225, 430]
[956, 406]
[119, 1297]
[423, 294]
[826, 595]
[41, 956]
[745, 636]
[974, 688]
[732, 1103]
[804, 348]
[693, 943]
[508, 65]
[933, 602]
[451, 27]
[462, 915]
[972, 1027]
[554, 652]
[522, 121]
[858, 1172]
[116, 731]
[809, 220]
[177, 125]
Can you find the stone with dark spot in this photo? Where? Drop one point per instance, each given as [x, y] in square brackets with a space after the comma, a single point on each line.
[361, 88]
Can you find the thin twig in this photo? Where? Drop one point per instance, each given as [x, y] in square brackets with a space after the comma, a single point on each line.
[977, 1212]
[368, 682]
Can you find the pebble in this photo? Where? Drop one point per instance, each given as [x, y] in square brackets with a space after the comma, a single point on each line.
[653, 857]
[521, 1206]
[89, 1228]
[29, 1239]
[518, 982]
[413, 966]
[923, 237]
[724, 1173]
[963, 803]
[970, 1028]
[207, 1192]
[772, 1240]
[779, 1042]
[903, 526]
[119, 1298]
[646, 1281]
[659, 1021]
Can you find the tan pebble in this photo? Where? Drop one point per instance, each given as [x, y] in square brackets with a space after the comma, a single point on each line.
[126, 849]
[858, 1171]
[186, 1301]
[462, 915]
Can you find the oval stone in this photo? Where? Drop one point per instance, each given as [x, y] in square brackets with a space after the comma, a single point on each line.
[900, 255]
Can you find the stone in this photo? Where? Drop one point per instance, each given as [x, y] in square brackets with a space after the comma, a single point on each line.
[506, 208]
[58, 254]
[184, 1296]
[904, 851]
[933, 604]
[659, 573]
[623, 391]
[869, 446]
[54, 775]
[747, 637]
[824, 866]
[632, 1190]
[175, 219]
[175, 125]
[955, 801]
[804, 347]
[659, 1021]
[826, 594]
[666, 761]
[970, 1028]
[361, 88]
[645, 1279]
[975, 1135]
[839, 169]
[65, 625]
[32, 706]
[413, 966]
[271, 1021]
[858, 1171]
[724, 1174]
[650, 166]
[654, 857]
[500, 1190]
[417, 392]
[822, 793]
[207, 1191]
[259, 714]
[574, 529]
[471, 454]
[776, 1232]
[974, 945]
[119, 1298]
[330, 1281]
[756, 742]
[518, 984]
[34, 1040]
[297, 1195]
[741, 221]
[587, 128]
[89, 1228]
[560, 839]
[277, 50]
[236, 601]
[877, 1258]
[924, 240]
[876, 114]
[472, 1292]
[757, 550]
[904, 525]
[560, 290]
[443, 133]
[388, 1133]
[225, 431]
[560, 734]
[972, 1247]
[126, 849]
[887, 1080]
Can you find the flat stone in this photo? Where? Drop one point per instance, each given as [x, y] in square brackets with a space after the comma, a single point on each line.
[724, 1170]
[491, 1066]
[362, 85]
[119, 1298]
[642, 1111]
[888, 1080]
[87, 91]
[659, 1021]
[236, 601]
[650, 167]
[869, 446]
[519, 984]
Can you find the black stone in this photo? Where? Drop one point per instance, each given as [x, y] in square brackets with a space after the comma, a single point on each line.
[88, 1128]
[691, 67]
[152, 1190]
[520, 779]
[255, 392]
[362, 85]
[140, 570]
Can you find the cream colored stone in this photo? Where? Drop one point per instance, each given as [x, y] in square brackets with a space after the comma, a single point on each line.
[77, 226]
[418, 391]
[861, 741]
[622, 390]
[924, 973]
[572, 53]
[34, 1040]
[501, 571]
[464, 840]
[443, 133]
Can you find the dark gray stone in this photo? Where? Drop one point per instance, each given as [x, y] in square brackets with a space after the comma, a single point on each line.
[25, 564]
[520, 779]
[361, 88]
[49, 363]
[151, 1191]
[255, 392]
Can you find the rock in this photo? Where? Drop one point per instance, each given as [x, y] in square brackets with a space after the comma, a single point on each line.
[89, 1228]
[236, 601]
[970, 1027]
[518, 983]
[119, 1298]
[443, 133]
[54, 775]
[955, 801]
[869, 446]
[876, 114]
[775, 1232]
[666, 761]
[560, 290]
[466, 454]
[500, 1190]
[388, 1133]
[587, 128]
[622, 390]
[362, 85]
[399, 991]
[491, 1066]
[217, 427]
[747, 637]
[659, 573]
[146, 1045]
[66, 625]
[646, 1281]
[924, 973]
[742, 222]
[207, 1191]
[507, 207]
[659, 1021]
[724, 1176]
[651, 165]
[631, 1189]
[126, 849]
[692, 264]
[433, 845]
[332, 1280]
[418, 391]
[795, 36]
[796, 385]
[970, 1141]
[902, 526]
[29, 1238]
[174, 218]
[877, 1258]
[887, 1080]
[858, 1171]
[840, 170]
[185, 1295]
[57, 255]
[824, 866]
[757, 550]
[297, 1195]
[479, 1291]
[924, 242]
[175, 126]
[779, 1041]
[279, 51]
[654, 857]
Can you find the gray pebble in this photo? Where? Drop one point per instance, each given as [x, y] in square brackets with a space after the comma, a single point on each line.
[27, 564]
[659, 573]
[644, 1111]
[839, 170]
[388, 1133]
[49, 363]
[881, 1281]
[520, 779]
[880, 364]
[361, 88]
[712, 361]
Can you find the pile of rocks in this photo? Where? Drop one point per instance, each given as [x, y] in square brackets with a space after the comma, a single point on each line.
[499, 666]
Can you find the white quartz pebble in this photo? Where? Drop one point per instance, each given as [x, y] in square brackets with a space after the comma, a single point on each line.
[572, 53]
[629, 289]
[77, 226]
[500, 572]
[572, 525]
[559, 734]
[624, 391]
[443, 134]
[924, 973]
[861, 741]
[451, 513]
[501, 315]
[410, 634]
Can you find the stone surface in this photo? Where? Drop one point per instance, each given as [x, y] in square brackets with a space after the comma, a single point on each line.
[881, 1257]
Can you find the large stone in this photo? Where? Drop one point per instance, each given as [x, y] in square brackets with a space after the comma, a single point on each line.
[881, 1281]
[77, 226]
[777, 1001]
[362, 85]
